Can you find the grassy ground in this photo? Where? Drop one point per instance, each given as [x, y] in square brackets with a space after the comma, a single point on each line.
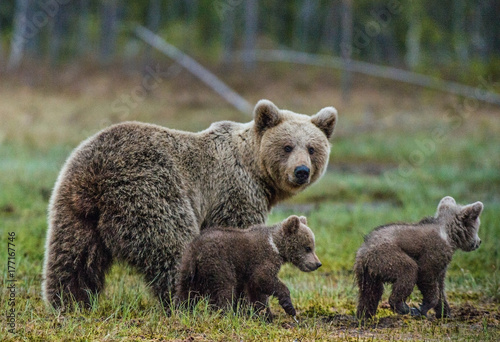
[395, 154]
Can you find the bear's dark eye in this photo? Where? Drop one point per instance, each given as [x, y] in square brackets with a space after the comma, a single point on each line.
[311, 150]
[288, 148]
[308, 249]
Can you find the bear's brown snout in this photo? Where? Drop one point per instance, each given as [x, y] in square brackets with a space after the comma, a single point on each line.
[313, 266]
[301, 174]
[312, 263]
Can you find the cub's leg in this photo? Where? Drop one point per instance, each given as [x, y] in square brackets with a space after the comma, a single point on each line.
[428, 284]
[277, 288]
[186, 291]
[442, 307]
[222, 293]
[283, 294]
[269, 284]
[390, 264]
[397, 267]
[259, 301]
[401, 290]
[430, 293]
[370, 293]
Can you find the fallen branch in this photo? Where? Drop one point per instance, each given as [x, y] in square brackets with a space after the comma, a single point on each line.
[480, 94]
[195, 68]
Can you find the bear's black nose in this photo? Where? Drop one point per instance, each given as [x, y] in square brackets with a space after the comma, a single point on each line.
[318, 265]
[302, 173]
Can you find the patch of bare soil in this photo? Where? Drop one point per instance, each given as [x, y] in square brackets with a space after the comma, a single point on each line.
[7, 208]
[468, 312]
[466, 316]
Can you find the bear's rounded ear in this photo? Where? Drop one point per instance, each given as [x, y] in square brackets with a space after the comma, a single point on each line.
[472, 211]
[303, 219]
[445, 203]
[291, 225]
[266, 115]
[325, 120]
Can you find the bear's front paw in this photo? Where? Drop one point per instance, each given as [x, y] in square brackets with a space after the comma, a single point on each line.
[416, 312]
[289, 309]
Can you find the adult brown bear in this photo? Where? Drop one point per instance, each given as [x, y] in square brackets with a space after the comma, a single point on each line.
[140, 193]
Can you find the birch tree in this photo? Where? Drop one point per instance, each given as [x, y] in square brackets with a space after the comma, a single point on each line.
[109, 30]
[346, 49]
[413, 36]
[19, 35]
[250, 39]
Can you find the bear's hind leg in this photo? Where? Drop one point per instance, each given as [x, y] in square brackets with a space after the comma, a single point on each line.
[442, 307]
[430, 292]
[260, 302]
[76, 261]
[370, 293]
[395, 266]
[149, 254]
[222, 290]
[402, 289]
[149, 229]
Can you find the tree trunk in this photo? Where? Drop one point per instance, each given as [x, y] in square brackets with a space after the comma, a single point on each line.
[83, 33]
[478, 38]
[228, 34]
[32, 44]
[109, 23]
[191, 7]
[330, 28]
[250, 40]
[154, 15]
[59, 33]
[459, 33]
[346, 49]
[390, 51]
[1, 46]
[19, 35]
[413, 36]
[153, 24]
[306, 24]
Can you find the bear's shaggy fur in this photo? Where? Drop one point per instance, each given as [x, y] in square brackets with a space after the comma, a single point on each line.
[415, 254]
[228, 264]
[140, 193]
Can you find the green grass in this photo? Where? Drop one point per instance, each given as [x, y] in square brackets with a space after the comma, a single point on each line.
[381, 170]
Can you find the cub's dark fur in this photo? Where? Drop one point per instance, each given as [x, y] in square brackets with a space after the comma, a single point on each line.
[228, 264]
[415, 254]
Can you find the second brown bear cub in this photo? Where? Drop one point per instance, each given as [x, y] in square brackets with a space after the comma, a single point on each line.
[415, 254]
[228, 264]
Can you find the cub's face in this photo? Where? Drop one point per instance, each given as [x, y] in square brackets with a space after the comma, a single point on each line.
[294, 148]
[464, 222]
[299, 244]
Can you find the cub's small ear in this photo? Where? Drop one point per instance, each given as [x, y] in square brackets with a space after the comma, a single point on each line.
[472, 211]
[303, 220]
[445, 203]
[266, 115]
[325, 120]
[291, 225]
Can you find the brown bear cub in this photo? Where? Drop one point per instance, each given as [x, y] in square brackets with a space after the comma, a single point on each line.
[415, 254]
[228, 264]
